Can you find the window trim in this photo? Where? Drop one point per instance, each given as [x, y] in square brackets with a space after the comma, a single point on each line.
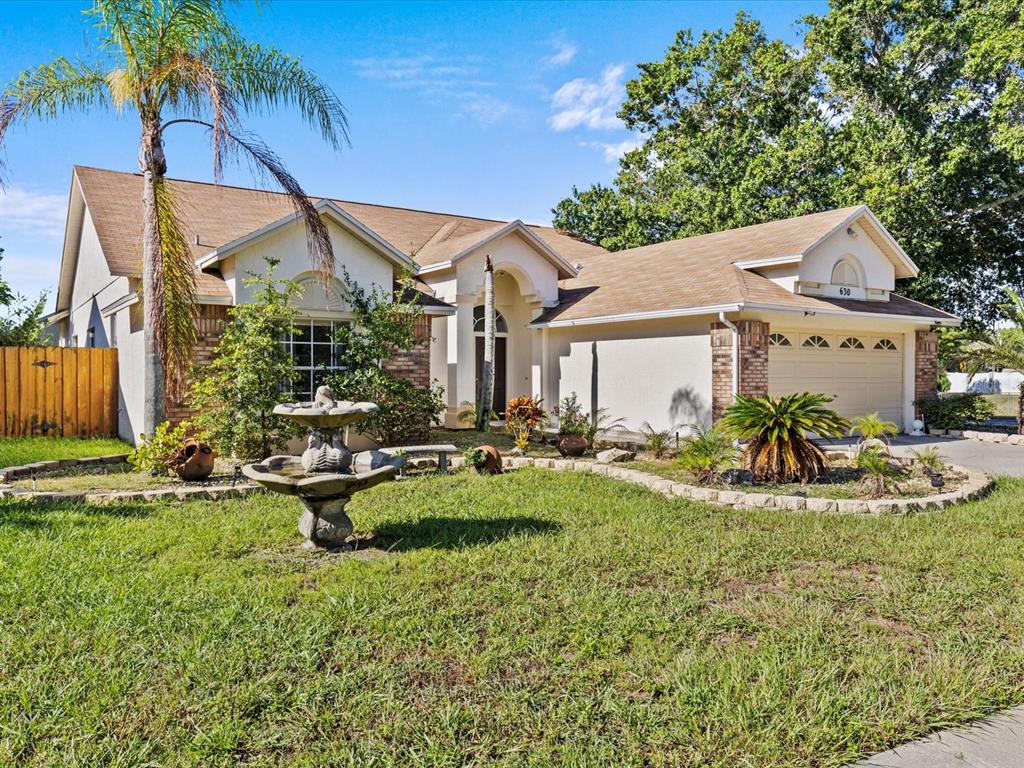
[858, 343]
[848, 264]
[776, 339]
[806, 343]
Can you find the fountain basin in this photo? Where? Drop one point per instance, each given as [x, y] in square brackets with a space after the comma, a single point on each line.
[325, 523]
[328, 416]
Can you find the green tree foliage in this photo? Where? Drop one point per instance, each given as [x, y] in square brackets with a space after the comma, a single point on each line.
[911, 108]
[21, 322]
[384, 325]
[251, 373]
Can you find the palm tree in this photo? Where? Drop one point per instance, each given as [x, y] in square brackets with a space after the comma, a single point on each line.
[1003, 348]
[180, 62]
[486, 404]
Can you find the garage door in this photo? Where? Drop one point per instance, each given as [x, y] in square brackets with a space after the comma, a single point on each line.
[864, 372]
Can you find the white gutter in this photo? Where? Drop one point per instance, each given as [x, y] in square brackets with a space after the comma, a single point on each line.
[652, 315]
[924, 319]
[735, 352]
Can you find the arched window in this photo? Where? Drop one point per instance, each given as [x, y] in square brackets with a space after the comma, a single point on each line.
[851, 342]
[844, 273]
[816, 342]
[885, 345]
[500, 326]
[778, 340]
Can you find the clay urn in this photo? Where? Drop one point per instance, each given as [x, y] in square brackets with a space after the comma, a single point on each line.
[491, 464]
[195, 460]
[572, 445]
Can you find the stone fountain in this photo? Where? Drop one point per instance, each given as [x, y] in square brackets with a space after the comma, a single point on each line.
[327, 474]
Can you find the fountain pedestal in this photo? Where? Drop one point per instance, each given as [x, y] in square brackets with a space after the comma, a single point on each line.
[327, 475]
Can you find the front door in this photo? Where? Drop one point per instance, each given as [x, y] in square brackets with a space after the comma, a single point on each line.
[499, 371]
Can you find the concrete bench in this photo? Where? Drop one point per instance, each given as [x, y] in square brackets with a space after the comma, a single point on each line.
[442, 452]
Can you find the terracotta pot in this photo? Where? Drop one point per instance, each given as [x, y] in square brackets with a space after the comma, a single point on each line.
[572, 445]
[195, 460]
[492, 461]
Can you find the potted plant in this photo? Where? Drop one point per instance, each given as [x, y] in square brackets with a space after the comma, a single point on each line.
[572, 427]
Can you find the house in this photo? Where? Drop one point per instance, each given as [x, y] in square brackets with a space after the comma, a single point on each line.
[664, 334]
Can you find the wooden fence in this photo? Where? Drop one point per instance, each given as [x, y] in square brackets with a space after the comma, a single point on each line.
[70, 391]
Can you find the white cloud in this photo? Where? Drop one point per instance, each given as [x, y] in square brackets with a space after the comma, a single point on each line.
[484, 108]
[564, 53]
[439, 81]
[34, 213]
[613, 152]
[589, 103]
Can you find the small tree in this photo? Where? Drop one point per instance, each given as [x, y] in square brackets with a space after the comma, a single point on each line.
[21, 323]
[251, 373]
[383, 326]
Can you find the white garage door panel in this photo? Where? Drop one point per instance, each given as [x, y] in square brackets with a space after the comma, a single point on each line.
[861, 380]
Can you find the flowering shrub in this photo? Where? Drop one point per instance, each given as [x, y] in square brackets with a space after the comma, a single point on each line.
[522, 416]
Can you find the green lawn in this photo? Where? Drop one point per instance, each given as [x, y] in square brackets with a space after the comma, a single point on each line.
[534, 618]
[26, 450]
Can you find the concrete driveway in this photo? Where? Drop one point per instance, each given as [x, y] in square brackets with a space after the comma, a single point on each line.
[992, 458]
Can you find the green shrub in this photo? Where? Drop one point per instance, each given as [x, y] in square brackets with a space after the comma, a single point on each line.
[250, 373]
[154, 455]
[958, 411]
[571, 418]
[383, 325]
[706, 452]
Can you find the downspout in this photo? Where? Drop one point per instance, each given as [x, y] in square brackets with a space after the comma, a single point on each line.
[735, 352]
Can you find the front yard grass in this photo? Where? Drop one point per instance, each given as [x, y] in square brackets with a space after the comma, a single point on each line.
[533, 618]
[15, 451]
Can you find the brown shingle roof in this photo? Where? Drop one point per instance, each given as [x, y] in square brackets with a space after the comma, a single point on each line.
[220, 214]
[677, 274]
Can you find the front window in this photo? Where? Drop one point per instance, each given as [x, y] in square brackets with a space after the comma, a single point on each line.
[315, 354]
[500, 326]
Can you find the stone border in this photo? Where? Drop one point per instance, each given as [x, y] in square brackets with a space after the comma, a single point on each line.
[977, 485]
[26, 470]
[983, 437]
[103, 498]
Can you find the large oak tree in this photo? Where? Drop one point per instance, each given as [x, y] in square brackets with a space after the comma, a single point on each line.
[913, 108]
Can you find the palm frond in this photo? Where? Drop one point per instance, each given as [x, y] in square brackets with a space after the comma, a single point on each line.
[176, 337]
[50, 90]
[266, 77]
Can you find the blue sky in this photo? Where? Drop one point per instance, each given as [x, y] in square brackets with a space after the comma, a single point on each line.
[486, 109]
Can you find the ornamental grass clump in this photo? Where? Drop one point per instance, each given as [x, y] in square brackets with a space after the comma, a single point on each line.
[778, 449]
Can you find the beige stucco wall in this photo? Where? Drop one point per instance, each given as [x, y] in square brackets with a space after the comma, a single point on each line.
[876, 271]
[656, 371]
[288, 245]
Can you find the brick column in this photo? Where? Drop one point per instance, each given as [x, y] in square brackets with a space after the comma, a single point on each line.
[926, 366]
[414, 364]
[753, 362]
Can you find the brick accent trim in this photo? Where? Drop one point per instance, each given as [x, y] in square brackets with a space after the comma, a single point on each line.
[926, 365]
[753, 362]
[414, 364]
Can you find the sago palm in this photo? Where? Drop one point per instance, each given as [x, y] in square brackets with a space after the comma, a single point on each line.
[778, 447]
[1002, 348]
[873, 427]
[174, 63]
